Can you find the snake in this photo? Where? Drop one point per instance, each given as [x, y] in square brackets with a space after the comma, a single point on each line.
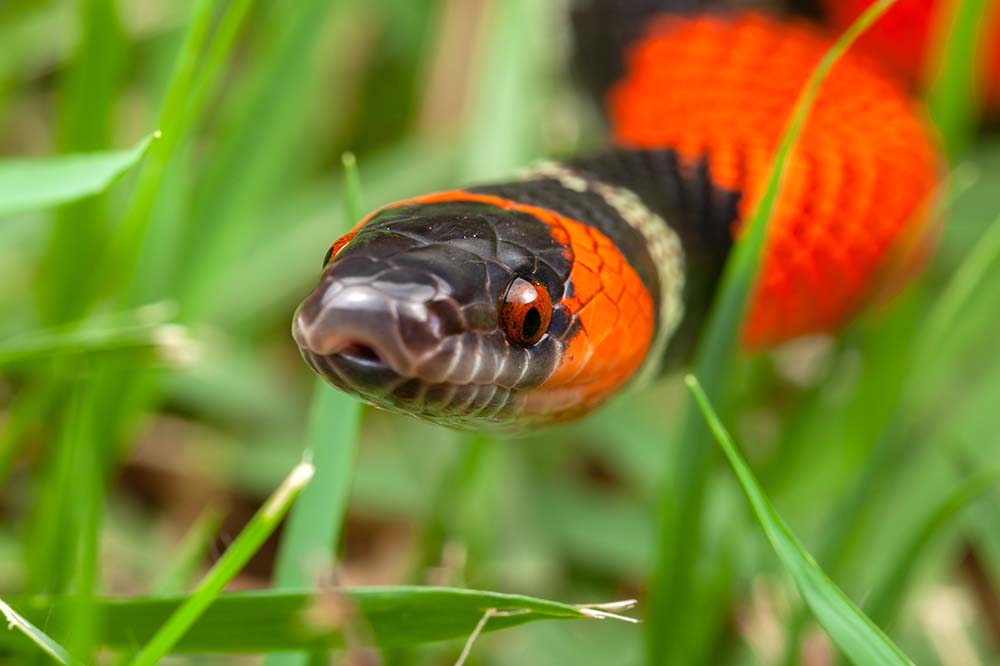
[517, 304]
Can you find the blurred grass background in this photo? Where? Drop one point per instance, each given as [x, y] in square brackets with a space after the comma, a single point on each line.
[127, 466]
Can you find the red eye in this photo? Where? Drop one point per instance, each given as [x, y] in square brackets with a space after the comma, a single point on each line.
[525, 311]
[337, 246]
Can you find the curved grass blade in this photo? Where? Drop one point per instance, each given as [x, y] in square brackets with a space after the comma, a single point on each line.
[681, 503]
[43, 182]
[849, 628]
[236, 556]
[276, 621]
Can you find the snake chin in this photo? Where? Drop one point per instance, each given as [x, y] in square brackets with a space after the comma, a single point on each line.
[358, 371]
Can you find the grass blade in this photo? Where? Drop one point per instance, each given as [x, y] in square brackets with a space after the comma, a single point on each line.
[127, 241]
[849, 628]
[501, 137]
[35, 183]
[237, 555]
[309, 544]
[354, 206]
[961, 290]
[192, 550]
[169, 340]
[681, 504]
[884, 602]
[35, 635]
[273, 621]
[258, 143]
[953, 99]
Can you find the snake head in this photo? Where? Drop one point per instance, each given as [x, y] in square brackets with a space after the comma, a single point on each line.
[457, 310]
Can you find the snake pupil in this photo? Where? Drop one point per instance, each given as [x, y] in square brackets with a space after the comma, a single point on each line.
[532, 322]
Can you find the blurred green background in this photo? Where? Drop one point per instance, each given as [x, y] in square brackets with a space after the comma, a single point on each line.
[151, 396]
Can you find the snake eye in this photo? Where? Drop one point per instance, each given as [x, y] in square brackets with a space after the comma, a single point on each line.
[337, 246]
[525, 311]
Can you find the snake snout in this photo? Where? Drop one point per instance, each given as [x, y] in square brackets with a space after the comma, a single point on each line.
[363, 328]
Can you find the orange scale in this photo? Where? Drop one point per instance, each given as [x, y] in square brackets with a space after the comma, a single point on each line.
[586, 282]
[807, 285]
[575, 360]
[559, 234]
[582, 239]
[589, 257]
[629, 308]
[614, 261]
[614, 285]
[597, 237]
[602, 248]
[846, 260]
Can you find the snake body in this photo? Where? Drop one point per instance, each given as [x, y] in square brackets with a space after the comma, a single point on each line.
[534, 300]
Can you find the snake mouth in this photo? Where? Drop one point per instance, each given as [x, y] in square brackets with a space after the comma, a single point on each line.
[358, 370]
[359, 353]
[350, 363]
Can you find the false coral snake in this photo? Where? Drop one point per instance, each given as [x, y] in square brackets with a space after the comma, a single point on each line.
[536, 299]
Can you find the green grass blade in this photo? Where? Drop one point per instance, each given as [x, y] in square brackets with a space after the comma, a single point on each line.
[170, 341]
[185, 562]
[961, 290]
[259, 143]
[953, 100]
[88, 96]
[452, 491]
[236, 556]
[681, 504]
[83, 521]
[24, 414]
[849, 628]
[274, 621]
[500, 136]
[883, 604]
[35, 635]
[34, 183]
[354, 206]
[129, 236]
[309, 544]
[214, 59]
